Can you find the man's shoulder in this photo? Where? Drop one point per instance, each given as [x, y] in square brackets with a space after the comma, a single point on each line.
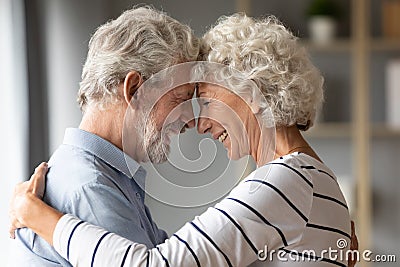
[68, 154]
[70, 170]
[71, 166]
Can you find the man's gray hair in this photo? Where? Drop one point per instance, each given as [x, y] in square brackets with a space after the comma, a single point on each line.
[141, 39]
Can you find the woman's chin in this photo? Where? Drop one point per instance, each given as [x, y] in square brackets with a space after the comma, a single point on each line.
[236, 156]
[231, 155]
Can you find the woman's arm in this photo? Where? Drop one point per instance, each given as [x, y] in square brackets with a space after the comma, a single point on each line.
[209, 240]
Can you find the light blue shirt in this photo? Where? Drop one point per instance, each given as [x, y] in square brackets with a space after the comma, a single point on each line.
[94, 180]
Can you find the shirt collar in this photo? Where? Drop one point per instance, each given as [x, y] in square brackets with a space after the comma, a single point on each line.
[107, 152]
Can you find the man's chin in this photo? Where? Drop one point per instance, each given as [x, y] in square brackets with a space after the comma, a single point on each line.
[159, 157]
[158, 160]
[166, 140]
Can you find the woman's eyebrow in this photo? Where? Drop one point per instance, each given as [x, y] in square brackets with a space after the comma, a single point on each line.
[201, 92]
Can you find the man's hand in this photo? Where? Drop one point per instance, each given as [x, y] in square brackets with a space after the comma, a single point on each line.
[23, 194]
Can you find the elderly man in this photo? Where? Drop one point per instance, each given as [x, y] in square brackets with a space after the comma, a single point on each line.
[89, 175]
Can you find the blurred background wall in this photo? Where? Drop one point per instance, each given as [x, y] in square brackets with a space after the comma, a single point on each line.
[44, 44]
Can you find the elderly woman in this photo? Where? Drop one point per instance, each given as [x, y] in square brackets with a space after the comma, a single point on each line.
[287, 211]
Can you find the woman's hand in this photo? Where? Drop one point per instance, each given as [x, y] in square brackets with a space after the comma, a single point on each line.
[28, 210]
[353, 244]
[23, 192]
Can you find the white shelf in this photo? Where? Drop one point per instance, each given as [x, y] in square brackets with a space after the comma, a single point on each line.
[338, 45]
[385, 131]
[345, 45]
[329, 130]
[344, 130]
[385, 44]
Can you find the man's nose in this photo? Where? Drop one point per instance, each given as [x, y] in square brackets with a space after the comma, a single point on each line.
[191, 123]
[187, 114]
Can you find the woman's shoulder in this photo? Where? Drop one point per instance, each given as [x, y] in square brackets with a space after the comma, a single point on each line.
[296, 161]
[295, 164]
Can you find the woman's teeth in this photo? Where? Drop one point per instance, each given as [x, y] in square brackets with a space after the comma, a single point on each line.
[223, 136]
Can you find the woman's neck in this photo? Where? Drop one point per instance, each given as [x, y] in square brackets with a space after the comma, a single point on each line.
[287, 140]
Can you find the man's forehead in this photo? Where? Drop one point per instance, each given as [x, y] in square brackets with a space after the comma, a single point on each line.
[185, 90]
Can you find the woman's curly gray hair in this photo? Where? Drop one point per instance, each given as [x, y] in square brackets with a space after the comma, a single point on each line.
[270, 55]
[141, 39]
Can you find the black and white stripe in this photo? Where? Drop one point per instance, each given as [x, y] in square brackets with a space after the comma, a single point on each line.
[282, 195]
[329, 229]
[190, 249]
[330, 199]
[259, 215]
[253, 247]
[97, 247]
[310, 167]
[212, 242]
[125, 255]
[294, 170]
[70, 237]
[164, 258]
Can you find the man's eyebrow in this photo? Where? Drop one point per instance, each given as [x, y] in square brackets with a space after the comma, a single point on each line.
[183, 94]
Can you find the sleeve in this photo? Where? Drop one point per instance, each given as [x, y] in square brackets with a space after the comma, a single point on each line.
[102, 248]
[263, 212]
[161, 235]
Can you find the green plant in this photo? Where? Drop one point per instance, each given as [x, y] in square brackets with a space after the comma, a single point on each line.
[323, 8]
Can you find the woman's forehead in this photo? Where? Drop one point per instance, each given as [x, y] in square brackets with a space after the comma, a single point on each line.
[210, 89]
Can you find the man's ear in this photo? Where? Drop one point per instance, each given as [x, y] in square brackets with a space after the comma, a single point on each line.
[133, 80]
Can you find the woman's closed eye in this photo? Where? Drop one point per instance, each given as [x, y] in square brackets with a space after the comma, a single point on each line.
[206, 103]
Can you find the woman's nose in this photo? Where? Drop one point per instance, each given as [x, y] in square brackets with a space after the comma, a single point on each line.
[203, 125]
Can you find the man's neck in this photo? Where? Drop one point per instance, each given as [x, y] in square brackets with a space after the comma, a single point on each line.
[104, 123]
